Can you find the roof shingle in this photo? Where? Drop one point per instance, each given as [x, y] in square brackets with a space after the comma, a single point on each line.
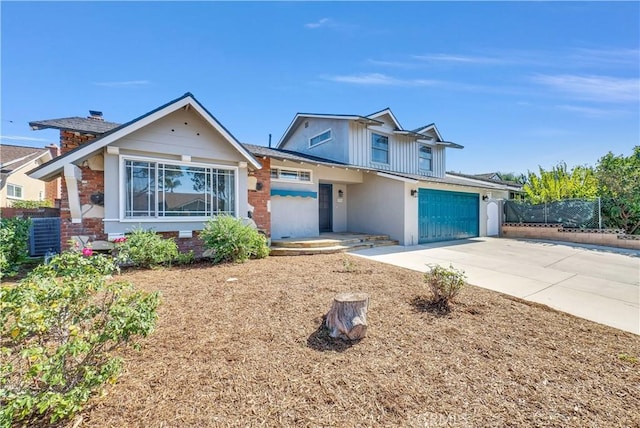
[78, 124]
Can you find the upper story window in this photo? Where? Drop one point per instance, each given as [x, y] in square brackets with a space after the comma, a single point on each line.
[156, 189]
[14, 191]
[425, 159]
[379, 148]
[282, 174]
[320, 138]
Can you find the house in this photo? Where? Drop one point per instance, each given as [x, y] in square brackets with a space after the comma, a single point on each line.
[175, 167]
[15, 184]
[377, 177]
[169, 170]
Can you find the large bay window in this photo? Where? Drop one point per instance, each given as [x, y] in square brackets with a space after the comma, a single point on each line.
[156, 190]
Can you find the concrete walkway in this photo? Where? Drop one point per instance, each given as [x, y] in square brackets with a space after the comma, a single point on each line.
[600, 284]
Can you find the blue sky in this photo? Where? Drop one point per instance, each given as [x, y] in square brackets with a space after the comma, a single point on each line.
[519, 84]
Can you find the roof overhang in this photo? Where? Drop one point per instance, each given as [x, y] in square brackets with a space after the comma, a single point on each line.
[54, 168]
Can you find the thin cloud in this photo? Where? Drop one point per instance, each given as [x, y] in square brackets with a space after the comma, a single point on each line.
[592, 112]
[606, 57]
[395, 64]
[323, 22]
[379, 79]
[123, 84]
[461, 59]
[20, 138]
[595, 88]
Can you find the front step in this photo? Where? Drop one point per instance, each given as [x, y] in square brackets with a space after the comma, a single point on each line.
[326, 242]
[329, 246]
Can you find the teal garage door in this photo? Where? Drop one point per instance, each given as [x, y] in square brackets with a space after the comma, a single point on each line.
[443, 216]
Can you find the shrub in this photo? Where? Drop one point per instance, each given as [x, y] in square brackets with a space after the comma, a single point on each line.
[230, 240]
[58, 329]
[32, 204]
[14, 235]
[146, 248]
[445, 283]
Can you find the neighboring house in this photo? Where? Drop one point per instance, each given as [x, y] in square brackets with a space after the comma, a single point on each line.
[15, 184]
[514, 188]
[169, 170]
[175, 167]
[384, 179]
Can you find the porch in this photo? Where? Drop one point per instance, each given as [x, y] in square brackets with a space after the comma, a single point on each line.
[328, 243]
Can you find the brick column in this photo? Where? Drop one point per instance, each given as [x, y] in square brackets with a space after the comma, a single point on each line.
[259, 199]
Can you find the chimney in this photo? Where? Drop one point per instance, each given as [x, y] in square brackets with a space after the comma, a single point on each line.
[53, 149]
[95, 115]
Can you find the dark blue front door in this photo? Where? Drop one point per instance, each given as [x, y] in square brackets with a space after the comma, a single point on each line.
[443, 216]
[325, 206]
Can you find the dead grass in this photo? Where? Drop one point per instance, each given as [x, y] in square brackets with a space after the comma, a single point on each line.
[252, 352]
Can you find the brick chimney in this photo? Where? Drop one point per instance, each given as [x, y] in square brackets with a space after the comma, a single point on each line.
[95, 115]
[53, 149]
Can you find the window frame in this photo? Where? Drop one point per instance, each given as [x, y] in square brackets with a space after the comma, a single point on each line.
[122, 186]
[291, 180]
[425, 146]
[14, 187]
[330, 131]
[373, 149]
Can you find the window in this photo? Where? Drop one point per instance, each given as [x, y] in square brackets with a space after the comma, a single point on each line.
[155, 189]
[14, 191]
[379, 148]
[320, 138]
[291, 174]
[425, 159]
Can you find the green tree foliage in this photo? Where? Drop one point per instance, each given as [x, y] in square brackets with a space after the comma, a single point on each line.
[230, 240]
[619, 186]
[560, 183]
[512, 177]
[14, 235]
[59, 328]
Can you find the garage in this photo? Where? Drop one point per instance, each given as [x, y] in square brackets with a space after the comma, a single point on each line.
[444, 215]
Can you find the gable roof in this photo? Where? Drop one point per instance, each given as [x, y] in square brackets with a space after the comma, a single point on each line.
[84, 151]
[14, 157]
[76, 124]
[386, 111]
[372, 119]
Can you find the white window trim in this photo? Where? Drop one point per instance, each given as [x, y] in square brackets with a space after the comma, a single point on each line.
[17, 186]
[382, 134]
[429, 147]
[289, 180]
[172, 219]
[323, 141]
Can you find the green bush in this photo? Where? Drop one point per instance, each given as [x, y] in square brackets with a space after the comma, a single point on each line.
[146, 248]
[14, 235]
[32, 204]
[230, 240]
[444, 283]
[58, 329]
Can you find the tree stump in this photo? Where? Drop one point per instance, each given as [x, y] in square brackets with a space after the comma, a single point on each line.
[347, 318]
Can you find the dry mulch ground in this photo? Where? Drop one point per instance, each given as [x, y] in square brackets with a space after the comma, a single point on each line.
[252, 352]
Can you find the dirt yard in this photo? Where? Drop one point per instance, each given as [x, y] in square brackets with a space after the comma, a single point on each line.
[242, 345]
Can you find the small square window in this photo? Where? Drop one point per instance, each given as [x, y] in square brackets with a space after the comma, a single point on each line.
[14, 191]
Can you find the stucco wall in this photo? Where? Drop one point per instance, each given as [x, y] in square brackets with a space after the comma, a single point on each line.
[377, 206]
[32, 189]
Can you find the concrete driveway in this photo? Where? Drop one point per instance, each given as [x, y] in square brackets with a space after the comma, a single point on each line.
[600, 284]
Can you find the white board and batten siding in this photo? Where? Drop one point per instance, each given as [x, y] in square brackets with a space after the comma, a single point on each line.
[403, 152]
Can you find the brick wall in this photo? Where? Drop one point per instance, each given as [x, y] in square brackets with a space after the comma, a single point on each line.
[608, 238]
[92, 181]
[259, 199]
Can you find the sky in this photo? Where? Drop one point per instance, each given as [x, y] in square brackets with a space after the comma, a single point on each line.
[518, 84]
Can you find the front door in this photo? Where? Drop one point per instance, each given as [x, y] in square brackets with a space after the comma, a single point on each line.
[325, 198]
